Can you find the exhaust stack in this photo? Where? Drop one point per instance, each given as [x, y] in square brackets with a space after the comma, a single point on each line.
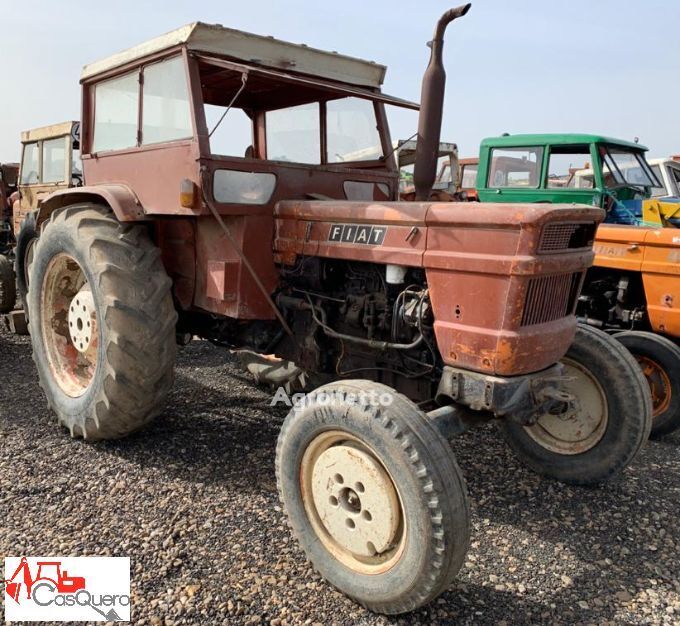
[431, 107]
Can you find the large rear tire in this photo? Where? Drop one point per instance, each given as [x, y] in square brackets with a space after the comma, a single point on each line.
[8, 292]
[602, 434]
[374, 495]
[659, 359]
[102, 323]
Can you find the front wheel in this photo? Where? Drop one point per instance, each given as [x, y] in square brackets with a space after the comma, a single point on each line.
[659, 359]
[602, 432]
[102, 322]
[373, 494]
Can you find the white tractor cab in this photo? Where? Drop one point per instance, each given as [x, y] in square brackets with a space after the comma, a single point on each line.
[667, 170]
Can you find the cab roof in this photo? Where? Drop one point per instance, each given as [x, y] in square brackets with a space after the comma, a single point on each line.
[253, 49]
[50, 132]
[557, 139]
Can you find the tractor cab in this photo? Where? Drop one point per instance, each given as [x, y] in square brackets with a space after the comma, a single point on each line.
[667, 170]
[568, 168]
[50, 161]
[448, 177]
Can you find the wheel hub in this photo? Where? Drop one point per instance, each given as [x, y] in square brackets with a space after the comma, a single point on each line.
[81, 319]
[68, 325]
[355, 500]
[659, 384]
[582, 425]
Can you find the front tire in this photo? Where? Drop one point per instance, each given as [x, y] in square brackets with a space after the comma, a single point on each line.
[374, 495]
[102, 322]
[602, 434]
[8, 293]
[659, 359]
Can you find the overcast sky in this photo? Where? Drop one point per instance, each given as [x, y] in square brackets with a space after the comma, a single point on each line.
[607, 67]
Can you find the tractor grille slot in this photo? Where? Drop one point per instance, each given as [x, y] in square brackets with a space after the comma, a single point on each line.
[566, 236]
[550, 298]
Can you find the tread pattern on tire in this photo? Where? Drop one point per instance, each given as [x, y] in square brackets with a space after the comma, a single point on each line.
[396, 424]
[27, 232]
[140, 321]
[633, 381]
[672, 423]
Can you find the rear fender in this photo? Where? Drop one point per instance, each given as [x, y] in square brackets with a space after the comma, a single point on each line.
[120, 198]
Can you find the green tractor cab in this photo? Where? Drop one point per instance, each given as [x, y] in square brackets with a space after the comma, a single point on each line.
[574, 168]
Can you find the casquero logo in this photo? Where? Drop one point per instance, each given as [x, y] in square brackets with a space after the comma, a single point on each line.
[67, 589]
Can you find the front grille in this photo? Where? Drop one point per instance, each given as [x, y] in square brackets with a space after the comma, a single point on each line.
[550, 298]
[566, 236]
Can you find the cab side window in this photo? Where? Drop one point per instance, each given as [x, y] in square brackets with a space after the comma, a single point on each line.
[166, 115]
[116, 113]
[563, 164]
[515, 167]
[30, 164]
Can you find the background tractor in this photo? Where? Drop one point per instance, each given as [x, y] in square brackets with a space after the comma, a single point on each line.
[50, 162]
[446, 183]
[633, 289]
[243, 189]
[8, 183]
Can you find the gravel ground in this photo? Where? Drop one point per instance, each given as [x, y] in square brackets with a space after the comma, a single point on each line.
[192, 500]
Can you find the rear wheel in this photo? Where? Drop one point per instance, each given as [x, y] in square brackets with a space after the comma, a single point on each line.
[374, 495]
[603, 431]
[102, 323]
[659, 359]
[8, 292]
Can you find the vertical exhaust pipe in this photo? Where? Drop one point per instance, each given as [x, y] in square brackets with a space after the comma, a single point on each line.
[431, 108]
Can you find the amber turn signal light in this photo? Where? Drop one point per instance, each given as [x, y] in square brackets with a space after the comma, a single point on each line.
[187, 193]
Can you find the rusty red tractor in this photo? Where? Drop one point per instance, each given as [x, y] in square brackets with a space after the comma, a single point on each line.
[224, 199]
[8, 185]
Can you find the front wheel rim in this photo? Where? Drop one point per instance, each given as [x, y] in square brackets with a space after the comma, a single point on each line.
[352, 503]
[581, 427]
[69, 325]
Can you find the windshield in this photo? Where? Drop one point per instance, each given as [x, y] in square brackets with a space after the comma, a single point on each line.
[626, 168]
[351, 132]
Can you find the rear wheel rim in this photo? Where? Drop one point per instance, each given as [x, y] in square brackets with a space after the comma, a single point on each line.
[659, 384]
[352, 503]
[581, 427]
[69, 325]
